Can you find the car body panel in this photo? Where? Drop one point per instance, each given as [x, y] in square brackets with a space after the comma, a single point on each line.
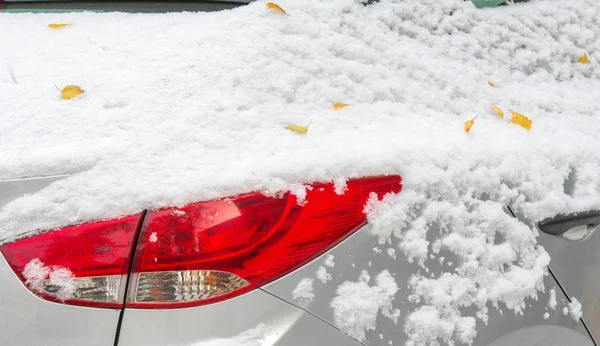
[576, 265]
[255, 318]
[28, 320]
[357, 253]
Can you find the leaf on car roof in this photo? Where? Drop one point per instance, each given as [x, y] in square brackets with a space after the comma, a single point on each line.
[491, 84]
[70, 91]
[469, 124]
[299, 129]
[276, 7]
[583, 59]
[58, 25]
[520, 120]
[498, 111]
[339, 105]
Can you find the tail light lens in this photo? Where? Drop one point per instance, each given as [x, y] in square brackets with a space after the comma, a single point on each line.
[81, 265]
[199, 254]
[212, 251]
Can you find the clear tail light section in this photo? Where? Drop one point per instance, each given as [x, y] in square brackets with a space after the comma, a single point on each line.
[195, 255]
[81, 265]
[212, 251]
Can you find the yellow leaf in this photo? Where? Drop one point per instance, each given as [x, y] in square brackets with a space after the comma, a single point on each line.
[491, 84]
[276, 7]
[583, 59]
[339, 105]
[520, 120]
[469, 124]
[57, 26]
[299, 129]
[498, 111]
[70, 91]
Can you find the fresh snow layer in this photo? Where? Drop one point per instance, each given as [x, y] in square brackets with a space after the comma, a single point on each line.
[186, 107]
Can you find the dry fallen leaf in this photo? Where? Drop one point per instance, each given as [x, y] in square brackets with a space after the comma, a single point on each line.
[339, 105]
[469, 124]
[276, 7]
[520, 120]
[583, 59]
[299, 129]
[57, 26]
[498, 111]
[70, 91]
[491, 84]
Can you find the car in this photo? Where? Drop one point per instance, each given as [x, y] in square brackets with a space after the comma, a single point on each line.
[181, 199]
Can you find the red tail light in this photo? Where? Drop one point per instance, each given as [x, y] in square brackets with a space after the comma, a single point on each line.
[81, 265]
[199, 254]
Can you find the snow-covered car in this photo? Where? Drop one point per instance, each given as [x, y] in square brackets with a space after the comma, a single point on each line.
[326, 172]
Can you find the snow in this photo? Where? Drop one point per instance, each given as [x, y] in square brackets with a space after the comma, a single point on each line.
[575, 309]
[546, 315]
[323, 275]
[181, 107]
[552, 299]
[329, 261]
[37, 276]
[304, 291]
[356, 304]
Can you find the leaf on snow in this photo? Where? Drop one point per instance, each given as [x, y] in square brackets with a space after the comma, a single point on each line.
[583, 59]
[491, 84]
[520, 120]
[299, 129]
[276, 7]
[339, 105]
[70, 91]
[58, 26]
[469, 124]
[498, 111]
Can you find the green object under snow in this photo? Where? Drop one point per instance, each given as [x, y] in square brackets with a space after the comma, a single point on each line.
[487, 3]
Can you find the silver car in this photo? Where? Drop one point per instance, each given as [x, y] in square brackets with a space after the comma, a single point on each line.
[254, 269]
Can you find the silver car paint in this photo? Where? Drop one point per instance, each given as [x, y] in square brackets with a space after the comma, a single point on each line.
[576, 265]
[504, 327]
[224, 323]
[28, 320]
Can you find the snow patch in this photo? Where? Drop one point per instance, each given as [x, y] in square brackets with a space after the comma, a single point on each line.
[357, 304]
[575, 309]
[340, 186]
[323, 275]
[40, 277]
[329, 261]
[153, 237]
[552, 299]
[304, 291]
